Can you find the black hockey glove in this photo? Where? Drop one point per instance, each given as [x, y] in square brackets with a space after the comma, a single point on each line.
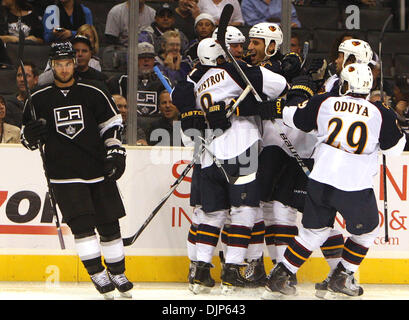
[302, 88]
[291, 65]
[216, 118]
[317, 70]
[193, 119]
[271, 109]
[114, 163]
[34, 132]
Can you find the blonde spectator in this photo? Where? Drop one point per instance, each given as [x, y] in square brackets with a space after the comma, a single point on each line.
[8, 132]
[90, 32]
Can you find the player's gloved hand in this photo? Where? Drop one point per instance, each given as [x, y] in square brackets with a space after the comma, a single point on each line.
[271, 109]
[35, 131]
[302, 88]
[317, 69]
[216, 118]
[291, 65]
[193, 119]
[114, 162]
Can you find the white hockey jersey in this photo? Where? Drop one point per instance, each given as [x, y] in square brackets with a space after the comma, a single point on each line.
[350, 132]
[222, 83]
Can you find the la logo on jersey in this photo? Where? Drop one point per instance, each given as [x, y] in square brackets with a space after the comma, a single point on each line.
[69, 120]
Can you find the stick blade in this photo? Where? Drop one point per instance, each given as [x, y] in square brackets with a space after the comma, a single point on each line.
[223, 23]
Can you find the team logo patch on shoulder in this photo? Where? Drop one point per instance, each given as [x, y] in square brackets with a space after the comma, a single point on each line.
[69, 121]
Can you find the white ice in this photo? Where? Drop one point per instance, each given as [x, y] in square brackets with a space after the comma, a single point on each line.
[174, 291]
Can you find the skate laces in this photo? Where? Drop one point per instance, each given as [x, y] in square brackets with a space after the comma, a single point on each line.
[101, 278]
[119, 279]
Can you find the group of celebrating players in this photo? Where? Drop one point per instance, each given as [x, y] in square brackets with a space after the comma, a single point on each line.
[309, 145]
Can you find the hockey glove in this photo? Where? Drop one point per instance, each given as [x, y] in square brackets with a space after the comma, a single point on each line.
[216, 118]
[114, 163]
[271, 109]
[291, 65]
[302, 88]
[34, 132]
[317, 70]
[193, 119]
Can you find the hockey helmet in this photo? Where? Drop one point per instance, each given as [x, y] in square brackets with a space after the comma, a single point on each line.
[358, 77]
[233, 35]
[269, 32]
[208, 51]
[62, 50]
[360, 49]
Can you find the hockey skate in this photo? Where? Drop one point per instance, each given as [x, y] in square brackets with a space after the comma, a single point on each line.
[321, 288]
[103, 284]
[121, 282]
[202, 281]
[255, 273]
[233, 277]
[343, 281]
[279, 283]
[191, 274]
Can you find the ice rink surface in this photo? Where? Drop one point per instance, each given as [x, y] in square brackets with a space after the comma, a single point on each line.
[175, 301]
[175, 291]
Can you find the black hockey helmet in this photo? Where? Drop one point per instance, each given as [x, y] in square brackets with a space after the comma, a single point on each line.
[62, 50]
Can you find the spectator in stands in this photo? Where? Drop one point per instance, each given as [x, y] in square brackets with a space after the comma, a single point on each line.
[83, 49]
[122, 105]
[15, 103]
[185, 14]
[171, 62]
[116, 27]
[204, 27]
[90, 32]
[8, 132]
[215, 8]
[295, 43]
[256, 11]
[12, 12]
[149, 85]
[161, 131]
[401, 96]
[62, 24]
[164, 21]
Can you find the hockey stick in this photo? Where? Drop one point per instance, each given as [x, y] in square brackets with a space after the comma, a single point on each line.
[385, 199]
[130, 240]
[305, 53]
[40, 144]
[221, 38]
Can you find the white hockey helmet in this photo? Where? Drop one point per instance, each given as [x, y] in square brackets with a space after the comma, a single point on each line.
[208, 51]
[360, 49]
[269, 32]
[233, 35]
[358, 77]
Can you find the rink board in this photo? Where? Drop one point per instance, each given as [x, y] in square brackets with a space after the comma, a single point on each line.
[30, 251]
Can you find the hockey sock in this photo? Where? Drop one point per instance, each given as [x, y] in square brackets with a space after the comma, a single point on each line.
[114, 254]
[89, 251]
[191, 243]
[206, 242]
[256, 244]
[353, 254]
[332, 249]
[225, 238]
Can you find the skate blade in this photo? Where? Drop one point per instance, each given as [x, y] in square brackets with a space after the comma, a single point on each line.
[333, 295]
[228, 290]
[200, 289]
[321, 293]
[109, 295]
[126, 294]
[271, 295]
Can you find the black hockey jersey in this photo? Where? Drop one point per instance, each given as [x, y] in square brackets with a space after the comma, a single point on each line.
[77, 117]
